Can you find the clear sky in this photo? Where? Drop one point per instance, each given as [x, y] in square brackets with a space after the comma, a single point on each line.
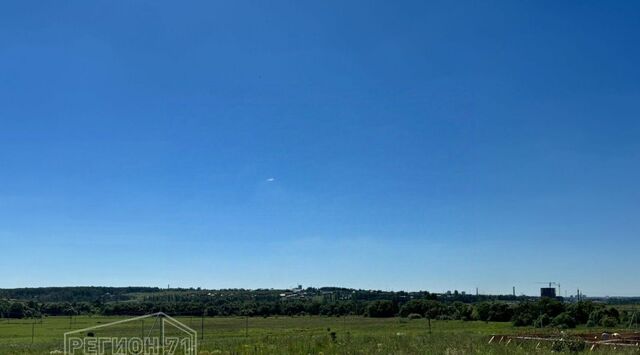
[373, 144]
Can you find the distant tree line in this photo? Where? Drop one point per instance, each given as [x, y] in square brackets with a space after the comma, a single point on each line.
[75, 294]
[154, 294]
[27, 303]
[543, 312]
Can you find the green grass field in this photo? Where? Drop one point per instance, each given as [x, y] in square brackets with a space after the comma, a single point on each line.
[297, 335]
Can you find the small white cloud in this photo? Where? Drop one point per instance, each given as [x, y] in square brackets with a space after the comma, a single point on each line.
[271, 179]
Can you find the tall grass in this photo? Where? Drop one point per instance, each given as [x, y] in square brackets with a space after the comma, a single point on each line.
[299, 335]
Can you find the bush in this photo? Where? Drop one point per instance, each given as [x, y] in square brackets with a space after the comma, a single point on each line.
[551, 307]
[521, 320]
[564, 320]
[414, 316]
[573, 345]
[599, 315]
[381, 309]
[427, 308]
[525, 313]
[629, 317]
[608, 322]
[492, 311]
[580, 311]
[462, 311]
[542, 321]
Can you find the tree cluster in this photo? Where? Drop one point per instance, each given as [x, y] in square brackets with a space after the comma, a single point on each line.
[545, 312]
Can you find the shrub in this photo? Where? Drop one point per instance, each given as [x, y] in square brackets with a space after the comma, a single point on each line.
[524, 314]
[580, 311]
[381, 309]
[492, 311]
[564, 320]
[551, 307]
[521, 320]
[462, 311]
[542, 321]
[414, 316]
[596, 317]
[427, 308]
[573, 345]
[608, 322]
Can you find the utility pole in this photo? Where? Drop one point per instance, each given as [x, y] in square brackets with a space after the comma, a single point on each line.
[634, 318]
[162, 329]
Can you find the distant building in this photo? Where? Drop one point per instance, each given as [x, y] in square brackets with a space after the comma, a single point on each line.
[296, 292]
[548, 292]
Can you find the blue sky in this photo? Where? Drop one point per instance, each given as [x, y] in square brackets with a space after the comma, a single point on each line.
[374, 144]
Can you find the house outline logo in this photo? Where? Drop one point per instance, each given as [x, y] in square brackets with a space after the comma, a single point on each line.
[79, 341]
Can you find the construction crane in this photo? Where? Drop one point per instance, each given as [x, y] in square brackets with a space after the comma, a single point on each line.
[551, 283]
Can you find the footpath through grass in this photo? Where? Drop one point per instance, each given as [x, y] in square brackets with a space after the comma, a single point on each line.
[296, 335]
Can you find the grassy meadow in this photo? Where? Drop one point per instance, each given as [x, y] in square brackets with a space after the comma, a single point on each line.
[296, 335]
